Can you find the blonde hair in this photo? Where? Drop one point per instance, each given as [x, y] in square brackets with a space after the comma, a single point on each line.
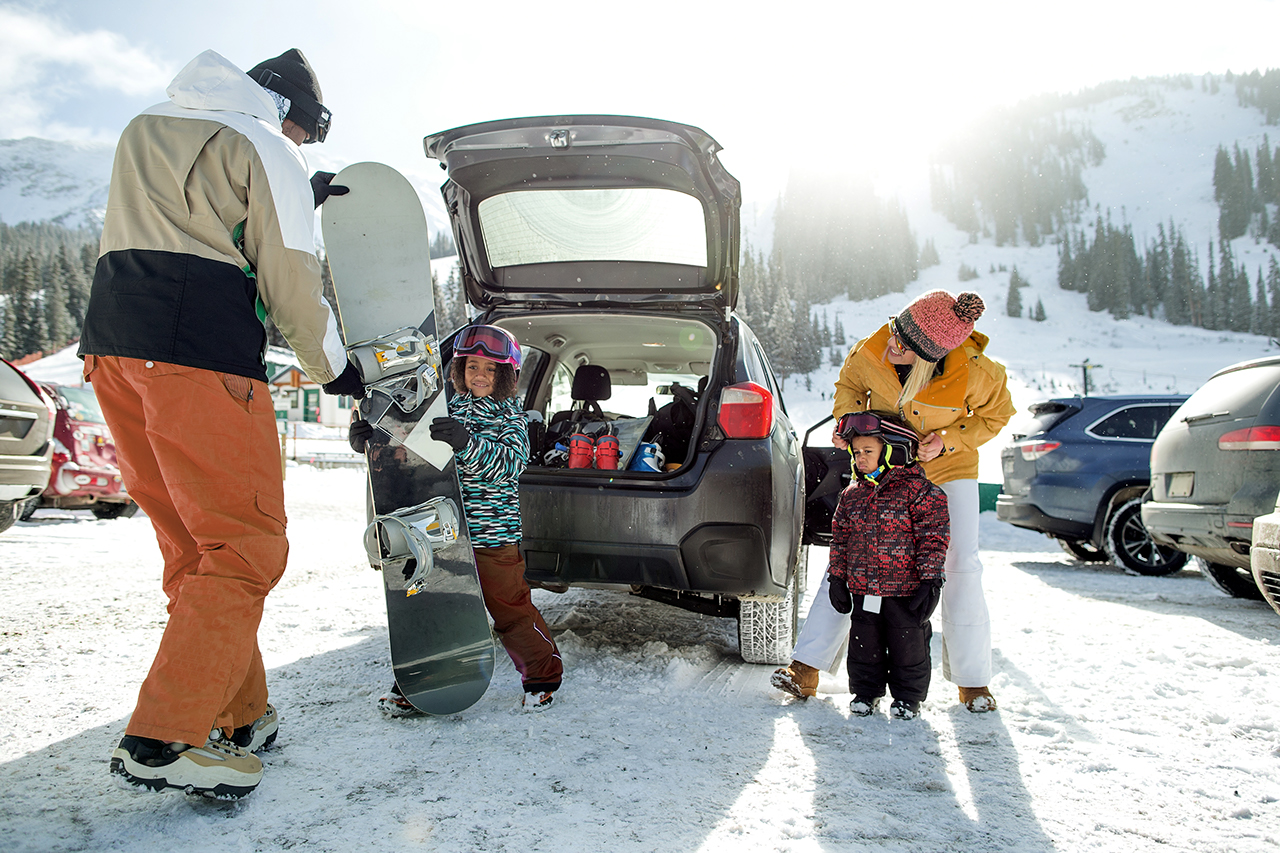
[921, 372]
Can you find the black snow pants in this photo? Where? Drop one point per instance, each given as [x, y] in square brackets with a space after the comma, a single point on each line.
[889, 648]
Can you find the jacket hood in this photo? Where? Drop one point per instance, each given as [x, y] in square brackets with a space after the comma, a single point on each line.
[211, 82]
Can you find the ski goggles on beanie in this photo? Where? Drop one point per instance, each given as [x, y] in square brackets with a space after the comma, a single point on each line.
[900, 442]
[305, 111]
[488, 342]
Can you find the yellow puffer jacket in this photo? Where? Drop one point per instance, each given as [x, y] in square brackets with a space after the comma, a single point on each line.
[967, 405]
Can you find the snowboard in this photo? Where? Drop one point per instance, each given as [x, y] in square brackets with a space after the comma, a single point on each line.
[442, 648]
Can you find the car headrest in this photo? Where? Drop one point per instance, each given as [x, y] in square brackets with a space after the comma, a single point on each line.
[591, 382]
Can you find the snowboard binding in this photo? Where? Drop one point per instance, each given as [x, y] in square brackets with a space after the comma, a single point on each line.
[406, 539]
[404, 366]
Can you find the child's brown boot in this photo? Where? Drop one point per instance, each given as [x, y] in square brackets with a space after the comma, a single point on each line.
[799, 679]
[977, 699]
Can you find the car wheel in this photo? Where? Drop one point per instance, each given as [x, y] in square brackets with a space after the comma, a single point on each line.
[114, 510]
[8, 514]
[767, 629]
[1131, 547]
[1083, 550]
[1235, 582]
[28, 508]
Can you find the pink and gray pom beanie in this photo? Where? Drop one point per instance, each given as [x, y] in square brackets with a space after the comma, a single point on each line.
[936, 323]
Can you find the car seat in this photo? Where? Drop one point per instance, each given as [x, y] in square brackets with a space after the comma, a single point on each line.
[591, 384]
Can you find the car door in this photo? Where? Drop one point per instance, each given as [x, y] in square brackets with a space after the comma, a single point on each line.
[827, 471]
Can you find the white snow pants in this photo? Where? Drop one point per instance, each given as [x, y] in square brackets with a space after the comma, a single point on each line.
[966, 624]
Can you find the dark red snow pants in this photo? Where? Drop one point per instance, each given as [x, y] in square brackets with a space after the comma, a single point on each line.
[522, 629]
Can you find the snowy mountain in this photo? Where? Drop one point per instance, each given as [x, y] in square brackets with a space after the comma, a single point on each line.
[66, 182]
[46, 181]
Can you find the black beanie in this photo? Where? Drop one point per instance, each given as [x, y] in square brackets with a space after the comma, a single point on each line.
[290, 75]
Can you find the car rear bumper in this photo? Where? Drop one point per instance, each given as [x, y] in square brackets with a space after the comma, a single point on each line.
[1021, 514]
[710, 529]
[23, 476]
[1205, 531]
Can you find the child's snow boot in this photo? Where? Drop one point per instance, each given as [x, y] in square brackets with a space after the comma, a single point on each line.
[395, 705]
[864, 706]
[539, 700]
[799, 679]
[581, 450]
[901, 709]
[607, 453]
[977, 699]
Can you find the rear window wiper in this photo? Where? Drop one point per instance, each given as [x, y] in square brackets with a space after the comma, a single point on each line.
[1189, 419]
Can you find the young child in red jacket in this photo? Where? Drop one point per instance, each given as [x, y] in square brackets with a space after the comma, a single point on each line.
[889, 540]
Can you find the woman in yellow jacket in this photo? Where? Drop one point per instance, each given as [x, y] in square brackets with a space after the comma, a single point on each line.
[927, 364]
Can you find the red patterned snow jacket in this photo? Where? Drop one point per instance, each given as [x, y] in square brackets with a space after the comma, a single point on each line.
[888, 537]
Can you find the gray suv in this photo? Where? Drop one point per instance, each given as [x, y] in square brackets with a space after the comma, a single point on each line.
[1215, 467]
[26, 446]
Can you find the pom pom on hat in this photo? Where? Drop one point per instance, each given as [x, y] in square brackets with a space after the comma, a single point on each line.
[936, 322]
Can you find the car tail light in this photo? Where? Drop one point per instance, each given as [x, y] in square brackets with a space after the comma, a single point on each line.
[746, 411]
[1035, 449]
[1253, 438]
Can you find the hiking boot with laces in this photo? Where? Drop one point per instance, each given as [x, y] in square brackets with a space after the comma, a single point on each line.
[799, 679]
[218, 770]
[977, 699]
[259, 734]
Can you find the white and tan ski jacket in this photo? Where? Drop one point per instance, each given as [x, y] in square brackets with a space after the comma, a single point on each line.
[210, 228]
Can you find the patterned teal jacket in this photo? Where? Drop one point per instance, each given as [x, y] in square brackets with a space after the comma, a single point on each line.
[489, 467]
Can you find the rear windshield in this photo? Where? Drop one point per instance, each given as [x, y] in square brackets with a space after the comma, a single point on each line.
[1042, 416]
[552, 226]
[81, 405]
[13, 387]
[1239, 393]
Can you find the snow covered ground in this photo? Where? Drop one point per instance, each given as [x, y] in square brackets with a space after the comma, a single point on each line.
[1136, 714]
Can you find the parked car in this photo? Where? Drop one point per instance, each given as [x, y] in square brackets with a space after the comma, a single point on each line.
[26, 446]
[1079, 473]
[1215, 468]
[84, 474]
[609, 247]
[1264, 556]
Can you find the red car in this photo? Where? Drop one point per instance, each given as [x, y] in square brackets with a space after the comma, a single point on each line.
[85, 474]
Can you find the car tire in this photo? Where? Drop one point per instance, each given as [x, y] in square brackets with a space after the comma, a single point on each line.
[767, 629]
[1083, 550]
[28, 508]
[8, 514]
[1235, 582]
[1131, 547]
[114, 510]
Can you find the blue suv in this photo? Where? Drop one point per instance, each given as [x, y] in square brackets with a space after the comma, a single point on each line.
[1079, 473]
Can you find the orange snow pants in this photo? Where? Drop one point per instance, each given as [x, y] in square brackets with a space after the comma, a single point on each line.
[199, 453]
[522, 629]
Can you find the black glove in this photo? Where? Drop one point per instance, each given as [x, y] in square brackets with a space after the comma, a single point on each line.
[322, 189]
[348, 383]
[838, 592]
[925, 600]
[358, 434]
[450, 432]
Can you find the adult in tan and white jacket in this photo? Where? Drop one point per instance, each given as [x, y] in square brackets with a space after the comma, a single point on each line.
[209, 230]
[929, 365]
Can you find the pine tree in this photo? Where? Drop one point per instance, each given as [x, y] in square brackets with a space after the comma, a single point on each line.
[1259, 322]
[1013, 301]
[1039, 314]
[57, 319]
[1273, 286]
[76, 287]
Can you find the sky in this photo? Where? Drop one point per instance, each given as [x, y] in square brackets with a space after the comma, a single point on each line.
[855, 82]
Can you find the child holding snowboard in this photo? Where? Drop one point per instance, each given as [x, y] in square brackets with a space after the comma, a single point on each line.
[489, 436]
[889, 541]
